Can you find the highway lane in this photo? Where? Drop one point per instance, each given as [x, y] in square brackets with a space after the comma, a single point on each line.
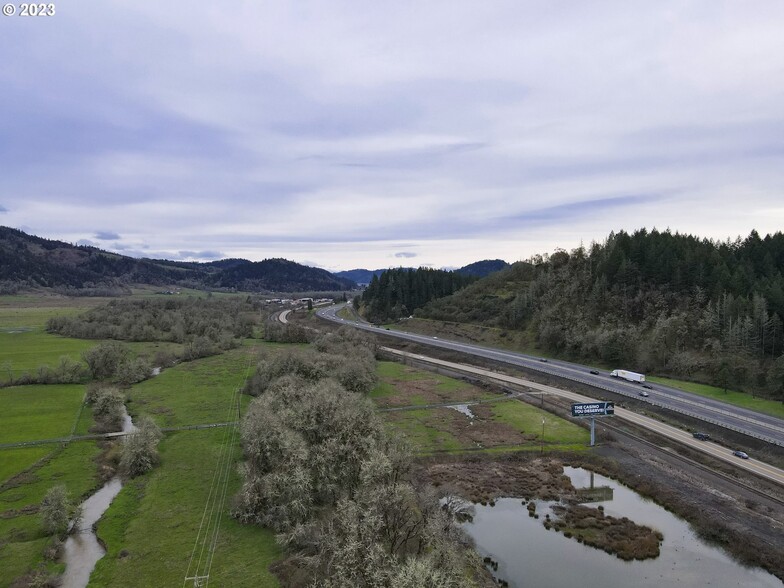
[746, 421]
[716, 451]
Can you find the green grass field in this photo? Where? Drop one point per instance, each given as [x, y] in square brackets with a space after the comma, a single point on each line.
[154, 522]
[25, 345]
[38, 412]
[196, 392]
[423, 432]
[22, 540]
[525, 418]
[26, 351]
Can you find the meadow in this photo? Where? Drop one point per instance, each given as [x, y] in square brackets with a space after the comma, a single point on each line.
[190, 393]
[495, 422]
[150, 528]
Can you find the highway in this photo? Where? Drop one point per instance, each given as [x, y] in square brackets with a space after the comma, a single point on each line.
[748, 422]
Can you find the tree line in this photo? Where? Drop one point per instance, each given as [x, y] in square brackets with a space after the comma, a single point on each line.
[322, 471]
[652, 301]
[205, 325]
[398, 293]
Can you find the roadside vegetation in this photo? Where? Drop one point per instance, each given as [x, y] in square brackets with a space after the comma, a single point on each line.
[652, 302]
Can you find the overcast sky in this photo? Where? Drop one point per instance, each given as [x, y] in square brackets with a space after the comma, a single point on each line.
[366, 134]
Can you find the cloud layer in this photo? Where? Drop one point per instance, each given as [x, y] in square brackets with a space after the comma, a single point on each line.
[350, 133]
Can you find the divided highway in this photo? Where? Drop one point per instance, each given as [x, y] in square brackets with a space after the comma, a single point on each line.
[748, 422]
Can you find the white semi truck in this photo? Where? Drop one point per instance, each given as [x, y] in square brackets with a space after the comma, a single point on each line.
[626, 375]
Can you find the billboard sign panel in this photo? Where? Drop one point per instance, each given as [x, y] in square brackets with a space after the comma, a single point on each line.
[593, 409]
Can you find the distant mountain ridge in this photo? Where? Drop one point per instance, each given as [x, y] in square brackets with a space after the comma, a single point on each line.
[478, 269]
[481, 269]
[31, 261]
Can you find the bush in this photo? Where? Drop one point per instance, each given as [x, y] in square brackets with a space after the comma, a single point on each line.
[140, 450]
[58, 510]
[108, 408]
[104, 359]
[132, 371]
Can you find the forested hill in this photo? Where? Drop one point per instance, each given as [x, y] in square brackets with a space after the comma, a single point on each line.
[478, 269]
[280, 275]
[483, 268]
[648, 301]
[397, 293]
[27, 261]
[30, 261]
[361, 276]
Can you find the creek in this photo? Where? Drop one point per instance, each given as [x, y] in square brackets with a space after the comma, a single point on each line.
[82, 549]
[530, 555]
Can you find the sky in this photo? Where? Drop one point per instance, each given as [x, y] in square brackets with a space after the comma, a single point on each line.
[348, 134]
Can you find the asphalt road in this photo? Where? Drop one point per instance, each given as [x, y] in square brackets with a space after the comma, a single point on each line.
[745, 421]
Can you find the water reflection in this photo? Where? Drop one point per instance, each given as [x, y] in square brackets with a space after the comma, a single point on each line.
[528, 555]
[463, 409]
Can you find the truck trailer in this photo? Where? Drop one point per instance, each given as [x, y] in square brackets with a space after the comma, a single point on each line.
[627, 375]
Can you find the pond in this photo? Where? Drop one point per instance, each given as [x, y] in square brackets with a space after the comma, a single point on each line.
[529, 555]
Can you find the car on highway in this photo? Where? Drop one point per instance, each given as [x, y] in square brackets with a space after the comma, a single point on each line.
[643, 393]
[701, 436]
[741, 454]
[647, 386]
[594, 372]
[543, 360]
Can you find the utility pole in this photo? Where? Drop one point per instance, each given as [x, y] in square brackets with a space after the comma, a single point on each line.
[542, 435]
[197, 580]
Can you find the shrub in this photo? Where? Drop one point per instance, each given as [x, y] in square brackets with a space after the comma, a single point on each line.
[140, 450]
[58, 510]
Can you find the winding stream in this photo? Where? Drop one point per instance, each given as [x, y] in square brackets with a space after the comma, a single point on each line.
[82, 549]
[530, 555]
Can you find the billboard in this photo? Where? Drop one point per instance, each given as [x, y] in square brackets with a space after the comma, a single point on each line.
[593, 409]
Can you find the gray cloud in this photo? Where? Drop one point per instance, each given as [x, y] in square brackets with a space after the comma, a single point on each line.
[200, 255]
[107, 236]
[329, 139]
[405, 254]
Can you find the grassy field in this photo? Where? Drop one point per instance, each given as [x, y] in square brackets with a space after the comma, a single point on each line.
[25, 351]
[496, 423]
[151, 526]
[38, 412]
[196, 392]
[558, 433]
[400, 385]
[22, 540]
[154, 519]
